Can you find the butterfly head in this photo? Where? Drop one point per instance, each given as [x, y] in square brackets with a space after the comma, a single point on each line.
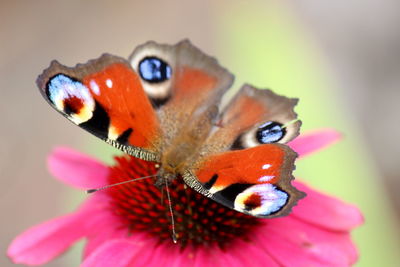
[166, 174]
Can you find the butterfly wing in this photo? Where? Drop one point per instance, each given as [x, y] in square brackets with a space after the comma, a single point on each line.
[105, 97]
[254, 117]
[255, 181]
[181, 82]
[245, 164]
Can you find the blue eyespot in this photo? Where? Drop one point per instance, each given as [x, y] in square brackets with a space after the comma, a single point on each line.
[154, 70]
[270, 132]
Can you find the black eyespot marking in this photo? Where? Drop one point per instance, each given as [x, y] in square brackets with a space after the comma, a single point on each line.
[228, 194]
[124, 137]
[98, 123]
[158, 102]
[211, 182]
[154, 70]
[270, 132]
[237, 144]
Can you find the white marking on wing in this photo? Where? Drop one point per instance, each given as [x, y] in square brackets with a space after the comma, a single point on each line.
[266, 178]
[266, 166]
[109, 83]
[95, 88]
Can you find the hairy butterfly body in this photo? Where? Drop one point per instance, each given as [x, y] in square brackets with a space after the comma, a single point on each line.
[163, 105]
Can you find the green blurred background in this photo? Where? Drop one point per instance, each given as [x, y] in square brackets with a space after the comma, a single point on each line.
[340, 59]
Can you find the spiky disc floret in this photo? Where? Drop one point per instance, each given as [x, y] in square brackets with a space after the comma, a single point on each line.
[198, 220]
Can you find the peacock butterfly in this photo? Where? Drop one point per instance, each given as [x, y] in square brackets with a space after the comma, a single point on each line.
[163, 105]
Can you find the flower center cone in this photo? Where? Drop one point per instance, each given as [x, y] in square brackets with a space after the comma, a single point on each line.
[199, 221]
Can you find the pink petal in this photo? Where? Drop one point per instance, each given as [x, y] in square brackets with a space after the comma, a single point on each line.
[146, 246]
[97, 203]
[104, 226]
[250, 254]
[136, 250]
[202, 256]
[313, 141]
[325, 211]
[100, 235]
[118, 252]
[296, 243]
[156, 253]
[159, 255]
[46, 241]
[226, 258]
[186, 257]
[101, 223]
[76, 169]
[214, 256]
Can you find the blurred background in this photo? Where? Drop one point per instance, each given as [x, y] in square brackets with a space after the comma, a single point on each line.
[339, 57]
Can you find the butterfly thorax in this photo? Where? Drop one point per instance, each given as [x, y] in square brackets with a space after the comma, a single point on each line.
[184, 148]
[175, 160]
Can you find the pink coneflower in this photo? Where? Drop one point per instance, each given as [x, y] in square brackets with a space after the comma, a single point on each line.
[129, 225]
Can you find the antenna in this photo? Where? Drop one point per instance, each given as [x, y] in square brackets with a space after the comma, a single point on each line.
[89, 191]
[174, 237]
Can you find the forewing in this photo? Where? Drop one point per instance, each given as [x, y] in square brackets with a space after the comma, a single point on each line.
[181, 81]
[105, 97]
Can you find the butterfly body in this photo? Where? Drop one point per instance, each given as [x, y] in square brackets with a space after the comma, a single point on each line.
[184, 147]
[163, 105]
